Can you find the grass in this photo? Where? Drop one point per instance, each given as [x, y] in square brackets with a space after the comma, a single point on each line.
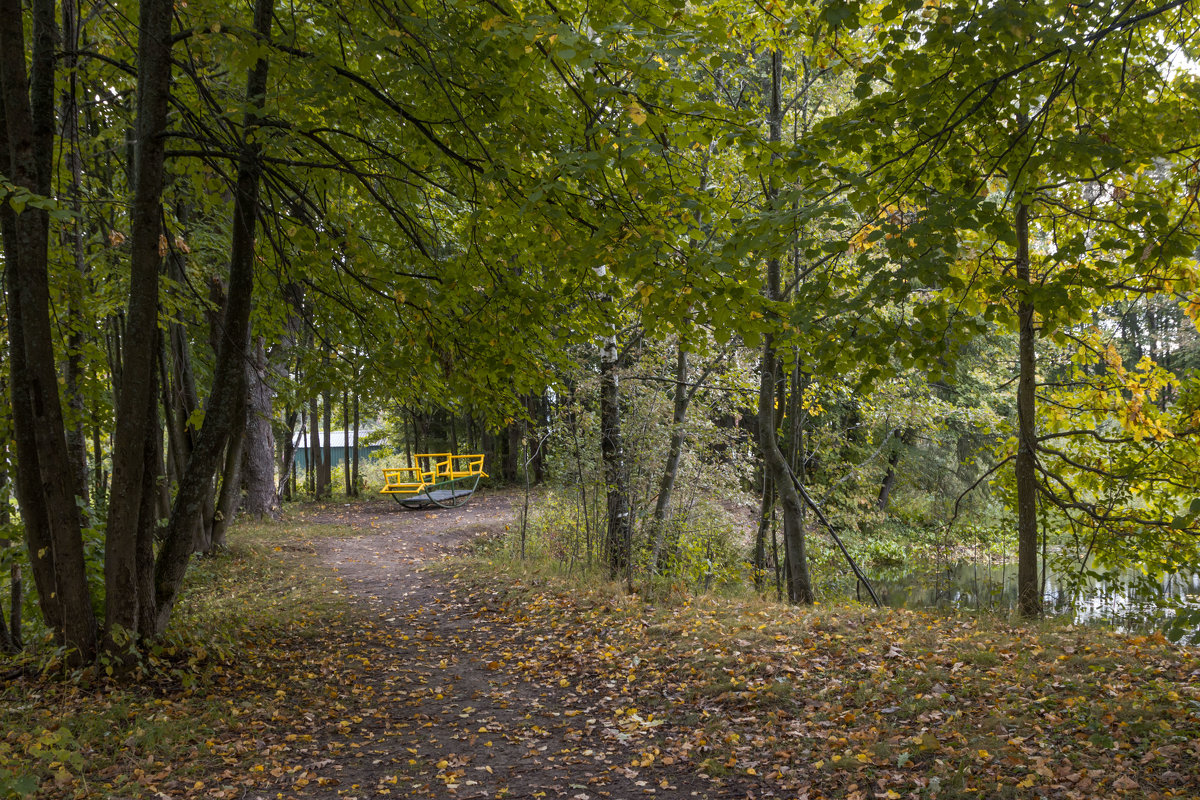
[829, 701]
[195, 695]
[843, 700]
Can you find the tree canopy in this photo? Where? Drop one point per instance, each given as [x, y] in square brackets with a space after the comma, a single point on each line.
[471, 204]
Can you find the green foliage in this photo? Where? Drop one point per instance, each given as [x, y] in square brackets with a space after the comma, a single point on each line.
[700, 552]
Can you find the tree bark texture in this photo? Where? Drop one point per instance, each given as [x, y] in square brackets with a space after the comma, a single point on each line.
[766, 504]
[1029, 595]
[73, 241]
[258, 447]
[229, 381]
[327, 453]
[314, 448]
[666, 484]
[287, 458]
[618, 541]
[45, 480]
[231, 483]
[141, 328]
[799, 584]
[354, 454]
[346, 471]
[903, 438]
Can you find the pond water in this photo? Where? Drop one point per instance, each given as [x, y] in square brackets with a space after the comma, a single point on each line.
[1124, 603]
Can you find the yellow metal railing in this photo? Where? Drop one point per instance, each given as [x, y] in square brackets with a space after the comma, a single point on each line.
[433, 471]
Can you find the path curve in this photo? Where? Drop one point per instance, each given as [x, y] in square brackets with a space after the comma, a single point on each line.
[455, 722]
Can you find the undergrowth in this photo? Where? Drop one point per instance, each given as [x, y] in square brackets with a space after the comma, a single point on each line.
[79, 733]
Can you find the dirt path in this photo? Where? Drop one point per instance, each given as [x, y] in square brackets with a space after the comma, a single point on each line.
[436, 711]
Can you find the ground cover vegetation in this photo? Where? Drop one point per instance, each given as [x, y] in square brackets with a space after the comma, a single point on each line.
[748, 297]
[501, 680]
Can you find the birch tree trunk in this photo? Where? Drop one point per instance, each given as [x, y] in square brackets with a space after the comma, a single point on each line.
[618, 541]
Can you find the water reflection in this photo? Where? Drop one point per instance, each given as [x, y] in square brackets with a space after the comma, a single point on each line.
[1131, 603]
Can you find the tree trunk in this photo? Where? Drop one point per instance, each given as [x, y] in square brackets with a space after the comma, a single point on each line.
[327, 454]
[666, 484]
[354, 480]
[99, 475]
[310, 484]
[10, 637]
[314, 448]
[45, 479]
[346, 442]
[902, 438]
[287, 458]
[155, 493]
[138, 359]
[229, 381]
[512, 450]
[1029, 596]
[540, 413]
[618, 543]
[799, 585]
[73, 241]
[258, 445]
[231, 483]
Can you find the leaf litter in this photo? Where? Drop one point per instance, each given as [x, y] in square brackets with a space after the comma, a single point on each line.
[427, 680]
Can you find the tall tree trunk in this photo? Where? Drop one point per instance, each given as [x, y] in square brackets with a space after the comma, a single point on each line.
[314, 449]
[10, 636]
[799, 584]
[229, 381]
[45, 479]
[902, 438]
[310, 484]
[409, 443]
[287, 459]
[73, 242]
[155, 493]
[181, 402]
[258, 446]
[666, 484]
[138, 365]
[231, 483]
[16, 599]
[327, 455]
[99, 474]
[512, 451]
[1029, 595]
[618, 543]
[765, 507]
[346, 442]
[354, 480]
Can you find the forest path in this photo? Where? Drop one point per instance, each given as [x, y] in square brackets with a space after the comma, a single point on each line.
[438, 706]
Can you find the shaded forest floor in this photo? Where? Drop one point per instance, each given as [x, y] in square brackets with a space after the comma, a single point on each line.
[341, 655]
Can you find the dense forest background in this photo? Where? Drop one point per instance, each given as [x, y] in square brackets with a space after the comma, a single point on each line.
[922, 274]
